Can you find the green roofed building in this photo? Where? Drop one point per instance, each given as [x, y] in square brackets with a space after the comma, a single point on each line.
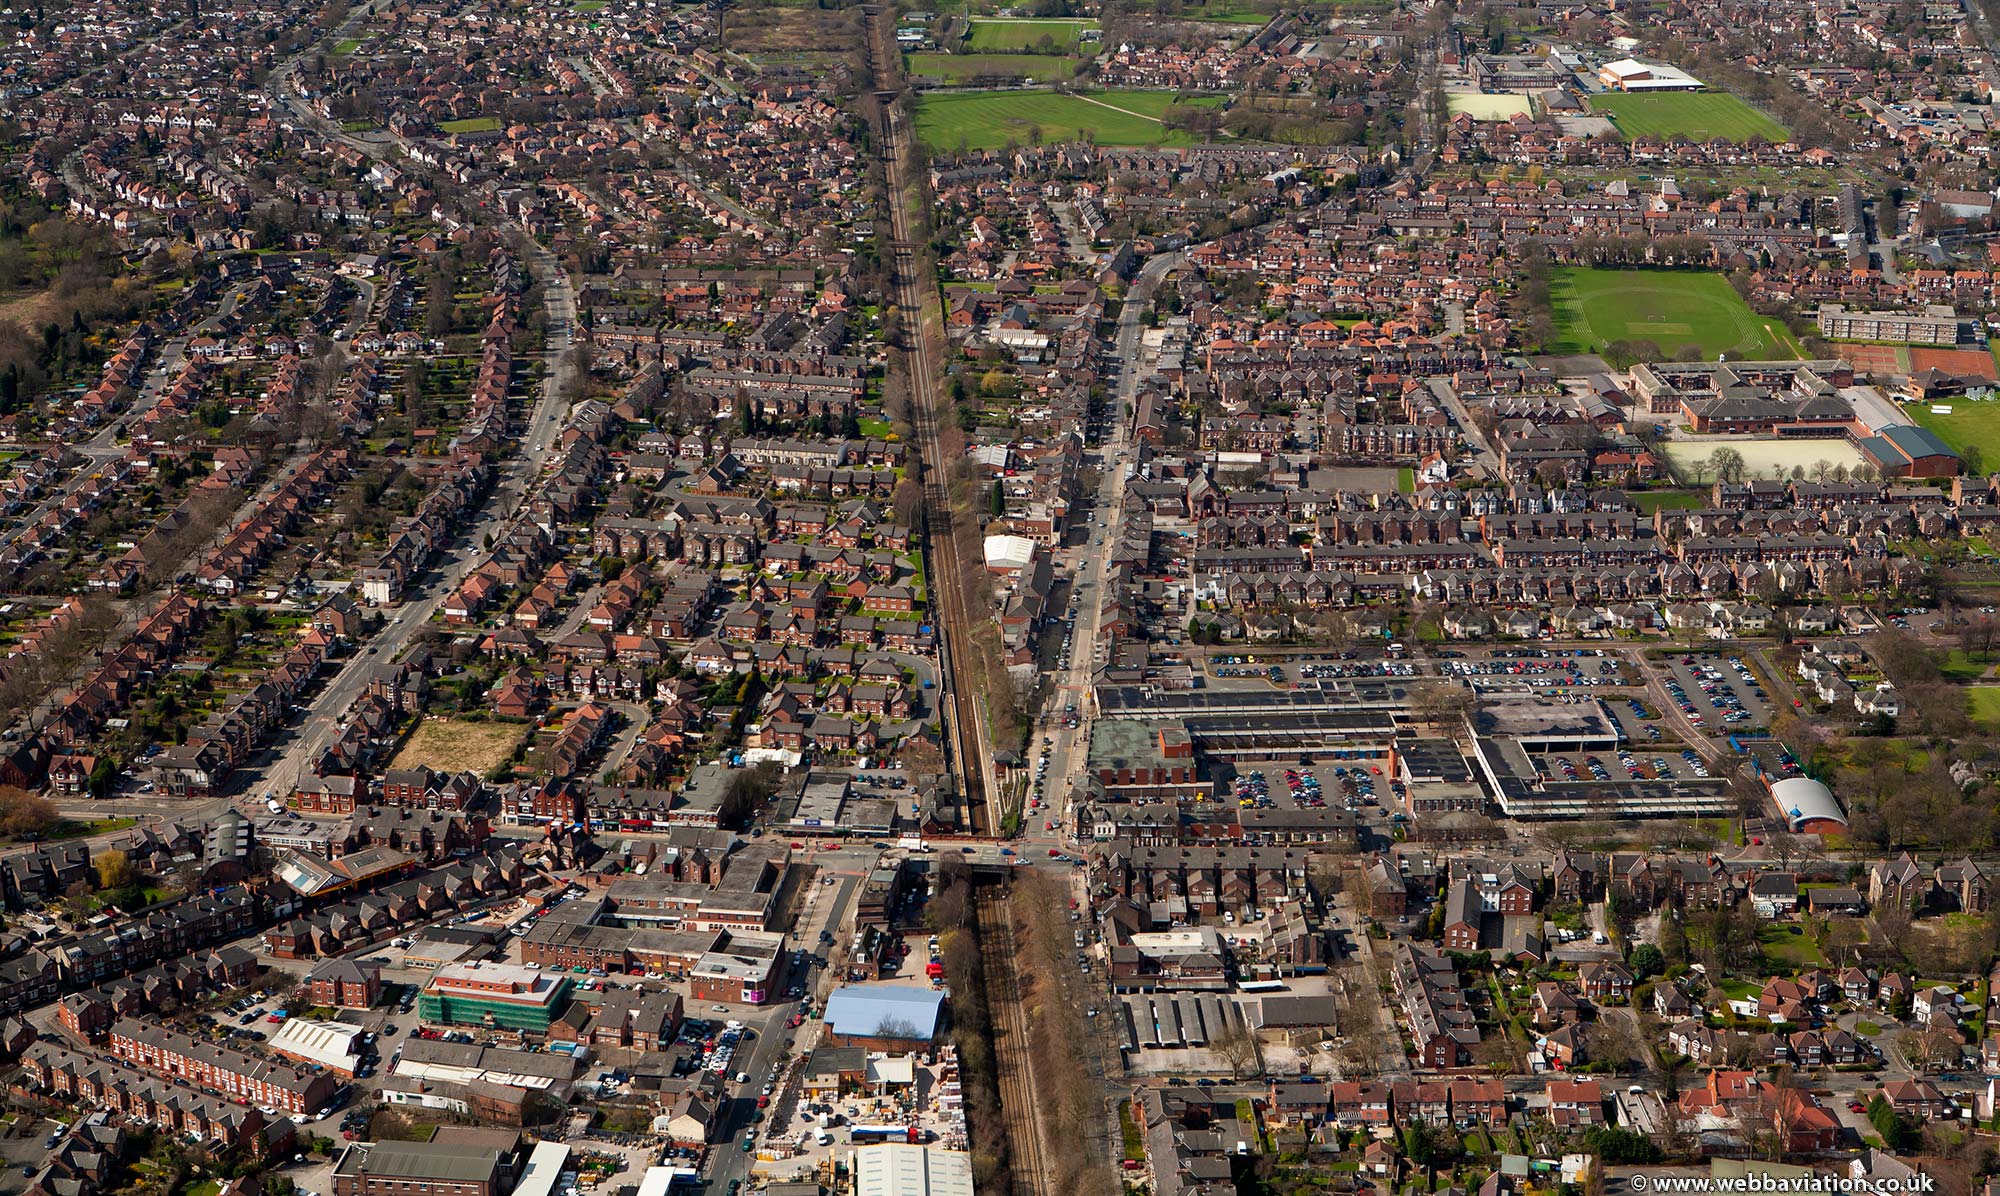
[497, 995]
[1908, 451]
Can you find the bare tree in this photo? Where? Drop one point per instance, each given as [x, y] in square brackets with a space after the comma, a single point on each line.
[1238, 1048]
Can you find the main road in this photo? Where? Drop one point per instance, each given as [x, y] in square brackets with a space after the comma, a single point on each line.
[1067, 746]
[518, 473]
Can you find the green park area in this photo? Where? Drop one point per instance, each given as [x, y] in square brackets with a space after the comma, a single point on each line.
[1025, 35]
[1650, 501]
[992, 120]
[1695, 115]
[1670, 308]
[1985, 701]
[471, 124]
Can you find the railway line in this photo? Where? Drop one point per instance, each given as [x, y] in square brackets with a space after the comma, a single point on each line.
[1012, 1055]
[965, 728]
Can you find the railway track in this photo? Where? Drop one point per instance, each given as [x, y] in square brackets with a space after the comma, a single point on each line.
[965, 724]
[1012, 1056]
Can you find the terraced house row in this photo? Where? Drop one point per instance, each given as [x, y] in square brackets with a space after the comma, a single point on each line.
[261, 1082]
[49, 1068]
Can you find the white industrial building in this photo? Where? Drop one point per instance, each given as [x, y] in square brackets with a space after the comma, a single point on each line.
[902, 1169]
[1629, 74]
[335, 1046]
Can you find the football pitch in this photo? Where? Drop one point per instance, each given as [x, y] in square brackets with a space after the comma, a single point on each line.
[1695, 115]
[1671, 308]
[1016, 35]
[993, 119]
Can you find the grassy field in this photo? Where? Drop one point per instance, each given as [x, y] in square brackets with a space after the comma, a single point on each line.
[1671, 308]
[346, 46]
[960, 68]
[472, 124]
[452, 745]
[1016, 35]
[1970, 425]
[990, 120]
[1696, 115]
[1985, 701]
[1225, 13]
[1783, 949]
[1649, 501]
[1959, 665]
[79, 828]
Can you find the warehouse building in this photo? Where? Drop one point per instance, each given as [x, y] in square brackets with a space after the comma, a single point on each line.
[335, 1046]
[901, 1169]
[884, 1017]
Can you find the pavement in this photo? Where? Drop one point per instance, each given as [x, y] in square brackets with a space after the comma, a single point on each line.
[518, 476]
[1068, 746]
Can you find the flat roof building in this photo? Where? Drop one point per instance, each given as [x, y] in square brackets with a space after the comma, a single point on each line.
[503, 996]
[435, 1168]
[742, 969]
[1936, 324]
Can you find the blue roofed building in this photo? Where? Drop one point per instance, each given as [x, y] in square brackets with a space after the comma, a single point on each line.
[885, 1017]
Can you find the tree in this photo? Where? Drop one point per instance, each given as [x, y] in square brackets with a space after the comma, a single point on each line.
[1647, 961]
[114, 869]
[1727, 464]
[1619, 1146]
[1897, 1133]
[1441, 703]
[897, 1029]
[1238, 1047]
[23, 815]
[747, 790]
[908, 502]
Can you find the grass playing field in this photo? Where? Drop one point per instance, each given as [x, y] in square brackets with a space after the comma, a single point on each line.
[1969, 426]
[1019, 35]
[1696, 115]
[990, 120]
[959, 68]
[471, 124]
[1671, 308]
[1985, 701]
